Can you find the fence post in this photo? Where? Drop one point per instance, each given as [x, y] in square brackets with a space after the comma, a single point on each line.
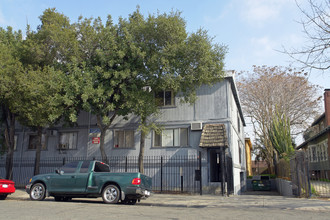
[126, 165]
[200, 168]
[161, 174]
[181, 175]
[308, 178]
[63, 160]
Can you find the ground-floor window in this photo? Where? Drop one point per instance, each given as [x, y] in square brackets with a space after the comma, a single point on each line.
[68, 140]
[33, 142]
[124, 139]
[175, 137]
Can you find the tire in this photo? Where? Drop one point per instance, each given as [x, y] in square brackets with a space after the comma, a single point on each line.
[3, 197]
[38, 192]
[111, 194]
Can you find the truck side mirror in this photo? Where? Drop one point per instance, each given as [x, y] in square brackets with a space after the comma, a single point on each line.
[59, 171]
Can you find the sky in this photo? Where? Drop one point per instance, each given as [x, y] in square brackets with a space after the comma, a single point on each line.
[253, 30]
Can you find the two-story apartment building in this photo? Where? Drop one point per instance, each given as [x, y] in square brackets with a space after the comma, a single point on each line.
[182, 128]
[317, 142]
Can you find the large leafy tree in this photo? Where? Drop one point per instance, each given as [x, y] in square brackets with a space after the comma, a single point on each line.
[106, 70]
[268, 90]
[10, 66]
[117, 62]
[45, 54]
[172, 59]
[41, 104]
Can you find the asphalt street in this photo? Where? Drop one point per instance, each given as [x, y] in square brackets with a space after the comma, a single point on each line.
[169, 206]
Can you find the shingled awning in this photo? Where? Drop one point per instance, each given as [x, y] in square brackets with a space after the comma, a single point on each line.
[214, 135]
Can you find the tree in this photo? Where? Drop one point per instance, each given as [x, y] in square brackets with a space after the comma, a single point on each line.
[316, 27]
[45, 54]
[53, 44]
[172, 59]
[280, 136]
[10, 66]
[140, 52]
[40, 104]
[270, 89]
[106, 71]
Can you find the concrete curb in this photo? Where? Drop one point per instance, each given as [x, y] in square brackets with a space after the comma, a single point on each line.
[216, 201]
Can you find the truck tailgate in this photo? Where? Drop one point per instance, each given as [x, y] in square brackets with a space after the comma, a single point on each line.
[146, 182]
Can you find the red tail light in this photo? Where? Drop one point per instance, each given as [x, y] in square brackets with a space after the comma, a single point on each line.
[136, 181]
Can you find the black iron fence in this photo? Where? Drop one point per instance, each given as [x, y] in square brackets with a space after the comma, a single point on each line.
[309, 174]
[169, 174]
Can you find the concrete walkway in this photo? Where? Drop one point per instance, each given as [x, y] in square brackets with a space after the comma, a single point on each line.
[263, 199]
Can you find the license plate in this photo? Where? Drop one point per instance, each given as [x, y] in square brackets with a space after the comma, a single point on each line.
[4, 185]
[260, 184]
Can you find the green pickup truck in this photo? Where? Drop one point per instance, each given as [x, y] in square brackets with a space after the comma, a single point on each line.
[90, 179]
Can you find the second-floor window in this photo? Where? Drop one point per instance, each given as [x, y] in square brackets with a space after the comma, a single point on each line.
[171, 138]
[165, 98]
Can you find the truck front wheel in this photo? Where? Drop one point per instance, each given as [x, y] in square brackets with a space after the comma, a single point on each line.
[111, 194]
[38, 192]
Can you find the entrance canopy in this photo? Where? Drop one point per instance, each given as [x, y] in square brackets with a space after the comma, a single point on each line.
[214, 136]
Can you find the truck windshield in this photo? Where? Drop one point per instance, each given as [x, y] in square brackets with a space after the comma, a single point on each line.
[101, 167]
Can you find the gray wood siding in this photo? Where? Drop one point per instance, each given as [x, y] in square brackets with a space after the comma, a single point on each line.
[211, 104]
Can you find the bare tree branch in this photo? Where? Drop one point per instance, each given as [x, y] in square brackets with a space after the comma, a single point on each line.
[268, 90]
[316, 27]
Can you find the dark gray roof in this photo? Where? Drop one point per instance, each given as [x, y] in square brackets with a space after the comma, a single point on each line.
[214, 135]
[325, 130]
[236, 97]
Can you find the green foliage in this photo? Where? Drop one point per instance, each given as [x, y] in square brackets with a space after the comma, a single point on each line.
[280, 136]
[38, 103]
[63, 68]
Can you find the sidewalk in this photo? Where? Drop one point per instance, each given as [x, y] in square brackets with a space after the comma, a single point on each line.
[272, 201]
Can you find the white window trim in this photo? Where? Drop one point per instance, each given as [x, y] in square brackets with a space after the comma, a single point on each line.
[115, 141]
[164, 99]
[67, 147]
[178, 136]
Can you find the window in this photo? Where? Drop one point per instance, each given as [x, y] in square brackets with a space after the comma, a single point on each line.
[124, 139]
[314, 159]
[171, 138]
[240, 155]
[101, 167]
[238, 123]
[84, 167]
[239, 152]
[70, 167]
[33, 142]
[165, 98]
[68, 140]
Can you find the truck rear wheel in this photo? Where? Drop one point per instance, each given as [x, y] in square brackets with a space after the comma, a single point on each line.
[111, 194]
